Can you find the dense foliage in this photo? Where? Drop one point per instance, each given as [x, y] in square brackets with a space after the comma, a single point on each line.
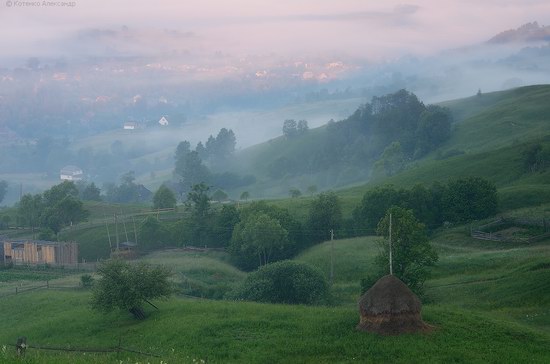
[128, 287]
[254, 244]
[412, 254]
[285, 282]
[458, 201]
[392, 129]
[55, 208]
[164, 198]
[325, 214]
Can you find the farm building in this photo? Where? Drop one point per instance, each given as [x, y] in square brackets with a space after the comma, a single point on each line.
[39, 252]
[163, 121]
[71, 173]
[130, 125]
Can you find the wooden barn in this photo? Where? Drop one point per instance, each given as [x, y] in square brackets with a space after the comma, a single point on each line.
[39, 252]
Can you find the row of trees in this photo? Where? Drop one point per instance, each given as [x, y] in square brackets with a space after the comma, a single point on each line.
[457, 201]
[192, 166]
[52, 210]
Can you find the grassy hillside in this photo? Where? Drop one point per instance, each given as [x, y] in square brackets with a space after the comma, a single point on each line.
[488, 301]
[490, 133]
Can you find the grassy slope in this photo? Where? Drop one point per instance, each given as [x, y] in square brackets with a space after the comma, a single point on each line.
[489, 302]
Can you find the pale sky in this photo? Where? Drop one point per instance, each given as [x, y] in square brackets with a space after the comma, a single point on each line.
[363, 28]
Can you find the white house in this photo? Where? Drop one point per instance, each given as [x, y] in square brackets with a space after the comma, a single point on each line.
[163, 121]
[130, 125]
[71, 173]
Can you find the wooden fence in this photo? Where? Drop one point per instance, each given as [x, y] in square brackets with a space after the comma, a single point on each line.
[480, 233]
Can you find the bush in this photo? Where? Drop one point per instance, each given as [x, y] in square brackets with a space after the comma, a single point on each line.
[285, 282]
[86, 280]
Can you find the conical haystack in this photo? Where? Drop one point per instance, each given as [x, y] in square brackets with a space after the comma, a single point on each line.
[389, 307]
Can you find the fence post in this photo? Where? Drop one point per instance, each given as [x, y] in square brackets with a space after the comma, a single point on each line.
[47, 284]
[21, 345]
[15, 289]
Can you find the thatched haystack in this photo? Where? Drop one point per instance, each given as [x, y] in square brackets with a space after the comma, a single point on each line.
[389, 307]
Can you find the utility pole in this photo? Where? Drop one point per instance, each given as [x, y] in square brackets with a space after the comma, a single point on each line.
[108, 235]
[331, 256]
[391, 267]
[116, 231]
[135, 232]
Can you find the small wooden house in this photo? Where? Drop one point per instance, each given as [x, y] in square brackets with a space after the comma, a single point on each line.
[39, 252]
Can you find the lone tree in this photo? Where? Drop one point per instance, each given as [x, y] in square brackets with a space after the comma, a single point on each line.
[411, 251]
[128, 286]
[164, 198]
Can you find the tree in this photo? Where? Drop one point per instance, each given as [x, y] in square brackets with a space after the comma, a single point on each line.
[219, 195]
[182, 149]
[3, 189]
[164, 198]
[294, 193]
[30, 208]
[191, 170]
[302, 127]
[245, 195]
[128, 286]
[261, 234]
[91, 193]
[325, 214]
[434, 127]
[412, 254]
[290, 128]
[469, 199]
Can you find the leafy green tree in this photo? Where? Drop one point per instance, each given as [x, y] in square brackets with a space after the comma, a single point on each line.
[285, 282]
[325, 214]
[58, 192]
[262, 235]
[30, 208]
[3, 189]
[128, 286]
[245, 196]
[198, 226]
[412, 254]
[164, 198]
[219, 195]
[224, 224]
[244, 256]
[374, 204]
[469, 199]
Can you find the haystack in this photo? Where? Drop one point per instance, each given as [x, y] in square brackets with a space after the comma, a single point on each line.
[389, 307]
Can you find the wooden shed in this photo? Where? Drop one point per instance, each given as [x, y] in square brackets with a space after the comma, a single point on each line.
[39, 252]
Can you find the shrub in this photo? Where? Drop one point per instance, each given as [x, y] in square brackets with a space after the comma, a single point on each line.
[86, 280]
[285, 282]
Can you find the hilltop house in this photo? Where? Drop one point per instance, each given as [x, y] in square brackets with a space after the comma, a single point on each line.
[38, 252]
[71, 173]
[130, 125]
[163, 121]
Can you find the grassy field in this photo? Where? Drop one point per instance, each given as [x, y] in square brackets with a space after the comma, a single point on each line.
[187, 331]
[489, 301]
